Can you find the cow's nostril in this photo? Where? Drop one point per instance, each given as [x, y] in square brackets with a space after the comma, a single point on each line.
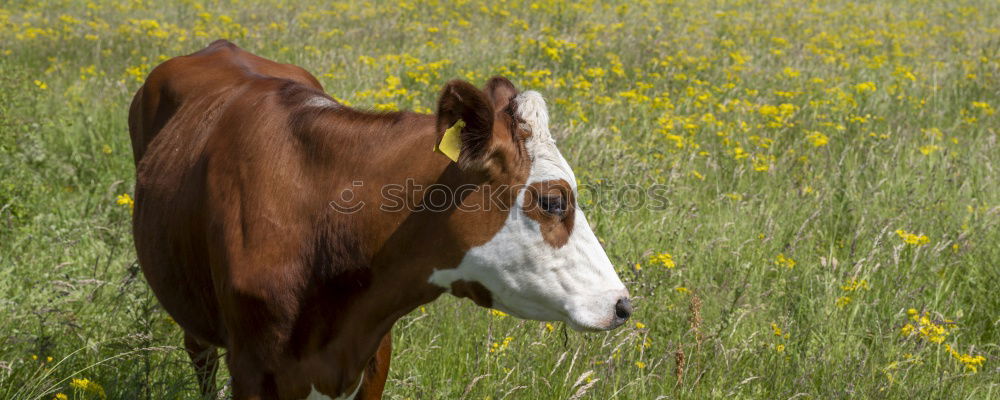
[623, 309]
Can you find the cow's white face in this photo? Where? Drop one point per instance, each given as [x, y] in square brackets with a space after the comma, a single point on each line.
[545, 263]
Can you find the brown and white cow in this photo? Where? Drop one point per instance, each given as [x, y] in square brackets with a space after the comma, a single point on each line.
[243, 165]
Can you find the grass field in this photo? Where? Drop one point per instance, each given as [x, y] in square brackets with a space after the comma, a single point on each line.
[832, 177]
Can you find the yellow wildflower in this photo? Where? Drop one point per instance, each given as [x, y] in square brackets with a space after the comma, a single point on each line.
[929, 149]
[913, 239]
[783, 261]
[664, 259]
[854, 285]
[762, 163]
[739, 153]
[768, 110]
[971, 363]
[984, 107]
[818, 139]
[88, 386]
[864, 87]
[926, 328]
[125, 200]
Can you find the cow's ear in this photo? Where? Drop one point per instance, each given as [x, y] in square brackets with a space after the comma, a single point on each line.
[460, 100]
[501, 92]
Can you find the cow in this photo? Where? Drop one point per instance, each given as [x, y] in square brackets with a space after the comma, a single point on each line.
[275, 222]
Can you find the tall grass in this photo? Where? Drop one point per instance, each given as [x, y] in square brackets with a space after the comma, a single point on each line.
[798, 146]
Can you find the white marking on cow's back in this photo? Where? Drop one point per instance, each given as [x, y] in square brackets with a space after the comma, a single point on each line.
[320, 102]
[316, 395]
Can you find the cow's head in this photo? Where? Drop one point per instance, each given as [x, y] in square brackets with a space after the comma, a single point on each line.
[539, 259]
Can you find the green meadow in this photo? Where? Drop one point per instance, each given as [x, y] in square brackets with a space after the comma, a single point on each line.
[829, 170]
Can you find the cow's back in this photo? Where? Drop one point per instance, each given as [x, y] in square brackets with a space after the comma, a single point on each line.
[182, 123]
[220, 67]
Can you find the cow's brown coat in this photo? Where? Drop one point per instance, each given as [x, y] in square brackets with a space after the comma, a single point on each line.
[235, 232]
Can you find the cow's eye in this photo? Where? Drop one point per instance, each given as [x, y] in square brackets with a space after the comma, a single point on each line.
[553, 205]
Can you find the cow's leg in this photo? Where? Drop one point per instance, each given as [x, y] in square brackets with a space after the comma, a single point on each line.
[377, 371]
[250, 382]
[205, 358]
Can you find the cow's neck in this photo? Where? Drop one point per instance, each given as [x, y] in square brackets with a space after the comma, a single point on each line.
[409, 245]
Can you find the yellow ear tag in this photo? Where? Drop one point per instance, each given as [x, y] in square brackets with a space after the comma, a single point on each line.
[451, 142]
